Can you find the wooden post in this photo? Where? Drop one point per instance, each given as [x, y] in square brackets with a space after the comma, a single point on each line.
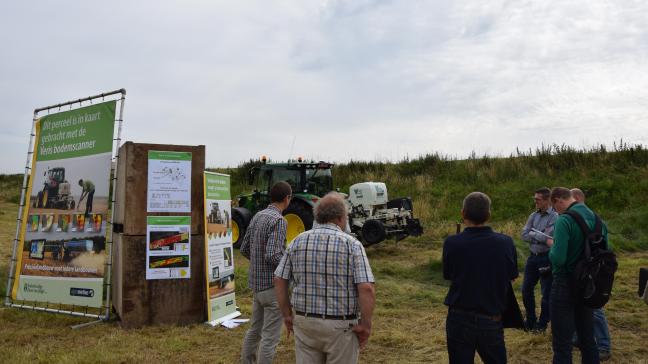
[137, 301]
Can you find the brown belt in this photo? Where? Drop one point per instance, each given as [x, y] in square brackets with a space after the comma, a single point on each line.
[478, 314]
[327, 317]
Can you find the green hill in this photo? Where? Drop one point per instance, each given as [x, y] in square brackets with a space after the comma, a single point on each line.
[615, 182]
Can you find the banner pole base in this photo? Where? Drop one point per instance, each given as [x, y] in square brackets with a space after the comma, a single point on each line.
[85, 324]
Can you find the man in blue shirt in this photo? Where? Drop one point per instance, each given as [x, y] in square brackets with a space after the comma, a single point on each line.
[480, 264]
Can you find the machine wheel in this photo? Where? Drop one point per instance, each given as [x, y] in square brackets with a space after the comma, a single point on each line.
[238, 229]
[373, 232]
[299, 217]
[39, 200]
[45, 200]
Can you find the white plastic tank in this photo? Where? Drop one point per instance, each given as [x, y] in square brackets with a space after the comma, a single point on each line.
[368, 194]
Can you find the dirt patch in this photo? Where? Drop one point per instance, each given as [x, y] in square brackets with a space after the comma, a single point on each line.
[99, 206]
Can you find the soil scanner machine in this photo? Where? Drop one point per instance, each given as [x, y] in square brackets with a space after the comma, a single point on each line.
[56, 191]
[372, 216]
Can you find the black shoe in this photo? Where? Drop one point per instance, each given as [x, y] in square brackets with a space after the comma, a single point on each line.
[604, 355]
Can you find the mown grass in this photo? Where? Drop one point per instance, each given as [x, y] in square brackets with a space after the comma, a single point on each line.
[409, 322]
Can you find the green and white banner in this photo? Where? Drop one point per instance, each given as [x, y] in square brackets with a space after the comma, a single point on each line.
[219, 254]
[61, 254]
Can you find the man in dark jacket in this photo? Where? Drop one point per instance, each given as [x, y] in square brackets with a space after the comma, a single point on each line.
[480, 264]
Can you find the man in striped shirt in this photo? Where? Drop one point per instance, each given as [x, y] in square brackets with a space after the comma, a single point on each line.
[263, 244]
[333, 289]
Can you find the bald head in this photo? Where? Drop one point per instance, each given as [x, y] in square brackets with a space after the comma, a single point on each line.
[331, 209]
[578, 195]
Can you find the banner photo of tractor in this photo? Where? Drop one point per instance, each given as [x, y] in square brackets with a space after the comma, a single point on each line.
[221, 301]
[63, 232]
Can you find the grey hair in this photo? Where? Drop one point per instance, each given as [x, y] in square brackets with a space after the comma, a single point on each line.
[578, 194]
[330, 208]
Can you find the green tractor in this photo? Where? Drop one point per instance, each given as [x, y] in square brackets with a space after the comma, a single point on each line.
[309, 181]
[372, 216]
[56, 192]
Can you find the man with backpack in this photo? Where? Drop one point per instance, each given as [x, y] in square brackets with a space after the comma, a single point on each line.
[601, 329]
[568, 309]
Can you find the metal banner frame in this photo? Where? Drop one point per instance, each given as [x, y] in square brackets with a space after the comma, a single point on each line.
[48, 307]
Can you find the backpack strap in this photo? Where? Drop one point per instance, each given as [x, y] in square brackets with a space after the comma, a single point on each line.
[585, 229]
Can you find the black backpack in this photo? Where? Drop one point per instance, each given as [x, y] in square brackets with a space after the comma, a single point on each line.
[593, 275]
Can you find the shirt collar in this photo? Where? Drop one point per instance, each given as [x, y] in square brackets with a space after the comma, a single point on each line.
[329, 226]
[275, 208]
[572, 205]
[478, 229]
[548, 211]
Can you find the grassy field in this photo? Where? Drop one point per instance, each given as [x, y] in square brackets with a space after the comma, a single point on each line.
[409, 322]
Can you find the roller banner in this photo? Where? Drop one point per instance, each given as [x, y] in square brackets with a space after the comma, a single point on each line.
[219, 254]
[61, 251]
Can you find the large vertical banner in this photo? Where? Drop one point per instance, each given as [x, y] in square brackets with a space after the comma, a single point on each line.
[61, 251]
[218, 247]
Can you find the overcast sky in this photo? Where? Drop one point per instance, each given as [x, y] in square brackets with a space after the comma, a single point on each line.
[358, 79]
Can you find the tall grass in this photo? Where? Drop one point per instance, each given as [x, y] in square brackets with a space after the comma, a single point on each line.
[615, 181]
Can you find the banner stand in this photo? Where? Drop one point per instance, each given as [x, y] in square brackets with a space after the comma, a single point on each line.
[29, 166]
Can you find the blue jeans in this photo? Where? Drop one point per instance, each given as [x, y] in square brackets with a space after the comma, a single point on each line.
[569, 316]
[601, 331]
[531, 278]
[469, 332]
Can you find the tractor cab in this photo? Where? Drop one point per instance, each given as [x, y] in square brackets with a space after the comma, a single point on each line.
[55, 177]
[309, 181]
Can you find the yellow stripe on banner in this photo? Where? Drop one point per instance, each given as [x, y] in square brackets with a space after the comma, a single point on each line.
[23, 227]
[206, 242]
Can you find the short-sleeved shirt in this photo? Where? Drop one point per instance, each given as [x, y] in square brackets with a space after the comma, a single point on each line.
[480, 265]
[325, 265]
[88, 186]
[263, 244]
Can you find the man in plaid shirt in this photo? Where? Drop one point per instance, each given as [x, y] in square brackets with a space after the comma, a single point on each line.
[263, 244]
[333, 289]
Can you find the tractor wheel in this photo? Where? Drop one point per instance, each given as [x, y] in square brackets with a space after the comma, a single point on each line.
[373, 232]
[238, 229]
[299, 217]
[45, 200]
[39, 200]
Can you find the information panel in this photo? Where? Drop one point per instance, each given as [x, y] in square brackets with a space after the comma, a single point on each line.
[169, 181]
[219, 255]
[168, 247]
[61, 251]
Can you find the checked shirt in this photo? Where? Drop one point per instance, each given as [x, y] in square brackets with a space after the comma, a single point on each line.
[263, 245]
[324, 265]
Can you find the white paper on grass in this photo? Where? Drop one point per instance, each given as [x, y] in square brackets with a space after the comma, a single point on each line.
[229, 317]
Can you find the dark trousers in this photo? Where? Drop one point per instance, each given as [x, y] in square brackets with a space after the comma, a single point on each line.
[531, 278]
[89, 203]
[569, 316]
[468, 332]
